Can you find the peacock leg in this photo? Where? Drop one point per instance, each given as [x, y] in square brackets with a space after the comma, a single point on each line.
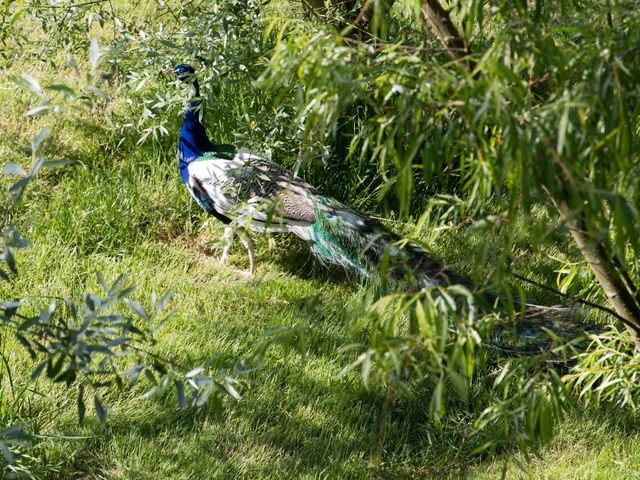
[228, 240]
[248, 244]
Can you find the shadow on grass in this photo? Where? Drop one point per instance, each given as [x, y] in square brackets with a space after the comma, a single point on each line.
[295, 258]
[285, 432]
[299, 419]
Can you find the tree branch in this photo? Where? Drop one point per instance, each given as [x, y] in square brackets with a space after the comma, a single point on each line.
[596, 257]
[579, 300]
[354, 21]
[367, 14]
[440, 22]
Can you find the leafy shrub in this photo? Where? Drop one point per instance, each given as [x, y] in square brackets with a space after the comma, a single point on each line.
[89, 345]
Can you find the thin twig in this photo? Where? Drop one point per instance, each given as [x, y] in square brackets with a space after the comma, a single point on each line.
[575, 299]
[168, 361]
[379, 45]
[72, 5]
[631, 51]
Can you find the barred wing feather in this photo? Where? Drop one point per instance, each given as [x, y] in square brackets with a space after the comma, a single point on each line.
[251, 189]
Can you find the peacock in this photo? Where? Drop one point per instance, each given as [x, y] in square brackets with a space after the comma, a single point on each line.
[249, 193]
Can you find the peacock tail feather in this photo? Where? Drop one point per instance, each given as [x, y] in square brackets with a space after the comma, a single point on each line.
[540, 331]
[341, 236]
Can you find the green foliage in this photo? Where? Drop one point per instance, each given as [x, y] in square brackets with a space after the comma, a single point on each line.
[476, 163]
[527, 402]
[493, 130]
[411, 340]
[607, 371]
[547, 116]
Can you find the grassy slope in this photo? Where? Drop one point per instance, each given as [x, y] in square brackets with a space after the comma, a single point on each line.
[127, 212]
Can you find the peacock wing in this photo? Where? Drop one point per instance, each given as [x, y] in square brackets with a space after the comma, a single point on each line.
[287, 198]
[249, 186]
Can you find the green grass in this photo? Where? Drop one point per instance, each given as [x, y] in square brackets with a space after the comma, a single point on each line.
[125, 211]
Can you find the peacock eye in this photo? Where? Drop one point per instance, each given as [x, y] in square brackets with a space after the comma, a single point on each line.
[330, 215]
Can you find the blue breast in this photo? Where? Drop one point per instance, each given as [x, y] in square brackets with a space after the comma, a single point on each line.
[193, 140]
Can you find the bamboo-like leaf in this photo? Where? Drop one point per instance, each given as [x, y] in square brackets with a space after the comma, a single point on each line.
[164, 301]
[31, 83]
[8, 455]
[57, 163]
[203, 396]
[562, 129]
[36, 143]
[137, 309]
[94, 52]
[39, 109]
[12, 168]
[437, 402]
[196, 371]
[99, 92]
[546, 422]
[182, 401]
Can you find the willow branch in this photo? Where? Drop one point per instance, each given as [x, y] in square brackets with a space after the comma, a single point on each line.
[440, 22]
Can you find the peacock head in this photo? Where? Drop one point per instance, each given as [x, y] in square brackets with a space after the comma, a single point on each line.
[184, 72]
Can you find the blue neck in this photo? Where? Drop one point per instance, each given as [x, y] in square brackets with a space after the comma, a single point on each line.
[193, 137]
